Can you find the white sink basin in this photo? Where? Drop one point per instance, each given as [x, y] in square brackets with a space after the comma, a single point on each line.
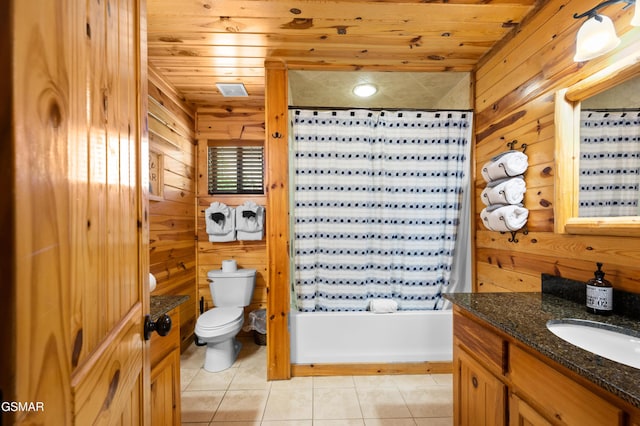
[611, 342]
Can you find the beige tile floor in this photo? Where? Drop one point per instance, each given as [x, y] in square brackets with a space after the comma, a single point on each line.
[241, 396]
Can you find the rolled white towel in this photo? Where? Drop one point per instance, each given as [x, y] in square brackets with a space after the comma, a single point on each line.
[504, 218]
[383, 306]
[507, 164]
[220, 221]
[504, 191]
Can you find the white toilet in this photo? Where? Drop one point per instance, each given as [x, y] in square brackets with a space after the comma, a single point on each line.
[231, 290]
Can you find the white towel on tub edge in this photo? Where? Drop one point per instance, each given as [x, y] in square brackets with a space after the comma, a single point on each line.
[383, 306]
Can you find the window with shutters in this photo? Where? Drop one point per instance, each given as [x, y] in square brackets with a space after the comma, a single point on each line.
[236, 169]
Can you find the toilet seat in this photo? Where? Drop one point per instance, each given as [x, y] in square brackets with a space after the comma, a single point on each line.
[218, 321]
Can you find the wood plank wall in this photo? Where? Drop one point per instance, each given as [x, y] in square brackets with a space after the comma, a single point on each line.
[7, 217]
[172, 245]
[242, 124]
[514, 100]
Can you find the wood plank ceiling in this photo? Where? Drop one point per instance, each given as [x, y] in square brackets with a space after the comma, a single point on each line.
[197, 43]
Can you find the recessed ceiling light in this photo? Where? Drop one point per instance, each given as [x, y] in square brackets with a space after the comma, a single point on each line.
[365, 90]
[232, 89]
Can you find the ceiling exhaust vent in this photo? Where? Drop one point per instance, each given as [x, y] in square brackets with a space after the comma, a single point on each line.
[231, 90]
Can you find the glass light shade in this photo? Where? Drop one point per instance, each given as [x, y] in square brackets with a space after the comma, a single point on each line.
[635, 21]
[596, 37]
[365, 90]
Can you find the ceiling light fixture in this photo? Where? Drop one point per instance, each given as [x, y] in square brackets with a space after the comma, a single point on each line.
[365, 90]
[231, 90]
[597, 35]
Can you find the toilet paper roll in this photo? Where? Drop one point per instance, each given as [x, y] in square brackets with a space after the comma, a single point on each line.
[229, 266]
[152, 282]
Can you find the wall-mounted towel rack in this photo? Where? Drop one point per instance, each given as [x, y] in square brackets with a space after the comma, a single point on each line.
[504, 191]
[511, 145]
[513, 238]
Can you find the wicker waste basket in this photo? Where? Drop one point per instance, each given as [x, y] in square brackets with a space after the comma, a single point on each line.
[258, 323]
[260, 338]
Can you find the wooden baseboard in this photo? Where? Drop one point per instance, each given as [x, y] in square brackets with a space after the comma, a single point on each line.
[304, 370]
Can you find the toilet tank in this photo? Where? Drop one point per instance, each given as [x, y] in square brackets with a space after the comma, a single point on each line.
[233, 289]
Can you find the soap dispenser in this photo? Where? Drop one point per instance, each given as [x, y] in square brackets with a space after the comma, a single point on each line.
[599, 294]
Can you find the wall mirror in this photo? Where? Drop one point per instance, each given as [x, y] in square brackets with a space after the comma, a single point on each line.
[597, 153]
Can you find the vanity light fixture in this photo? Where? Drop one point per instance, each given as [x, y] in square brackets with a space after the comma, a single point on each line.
[232, 89]
[597, 35]
[365, 90]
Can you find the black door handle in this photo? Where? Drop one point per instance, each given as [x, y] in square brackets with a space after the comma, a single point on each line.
[162, 326]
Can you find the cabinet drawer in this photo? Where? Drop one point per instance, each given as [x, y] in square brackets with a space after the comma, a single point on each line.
[488, 347]
[557, 397]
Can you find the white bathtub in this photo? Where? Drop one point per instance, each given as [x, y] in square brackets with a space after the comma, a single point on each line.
[365, 337]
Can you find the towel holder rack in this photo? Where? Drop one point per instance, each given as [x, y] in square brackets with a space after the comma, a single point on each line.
[525, 230]
[513, 238]
[511, 145]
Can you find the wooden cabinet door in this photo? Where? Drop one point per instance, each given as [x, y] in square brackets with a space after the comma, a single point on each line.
[165, 391]
[80, 256]
[522, 414]
[480, 395]
[165, 374]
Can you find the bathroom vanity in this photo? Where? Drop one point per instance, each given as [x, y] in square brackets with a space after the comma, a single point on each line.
[165, 362]
[510, 369]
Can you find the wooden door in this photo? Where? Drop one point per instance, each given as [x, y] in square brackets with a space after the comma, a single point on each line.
[79, 213]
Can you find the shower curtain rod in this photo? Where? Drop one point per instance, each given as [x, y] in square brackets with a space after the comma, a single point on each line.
[611, 110]
[325, 108]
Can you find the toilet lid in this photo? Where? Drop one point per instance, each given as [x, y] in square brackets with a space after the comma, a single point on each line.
[238, 273]
[219, 317]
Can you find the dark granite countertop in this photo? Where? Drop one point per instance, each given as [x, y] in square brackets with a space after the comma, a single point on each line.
[162, 304]
[524, 316]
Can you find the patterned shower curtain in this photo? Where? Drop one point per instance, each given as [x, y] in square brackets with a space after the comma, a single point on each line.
[377, 197]
[609, 163]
